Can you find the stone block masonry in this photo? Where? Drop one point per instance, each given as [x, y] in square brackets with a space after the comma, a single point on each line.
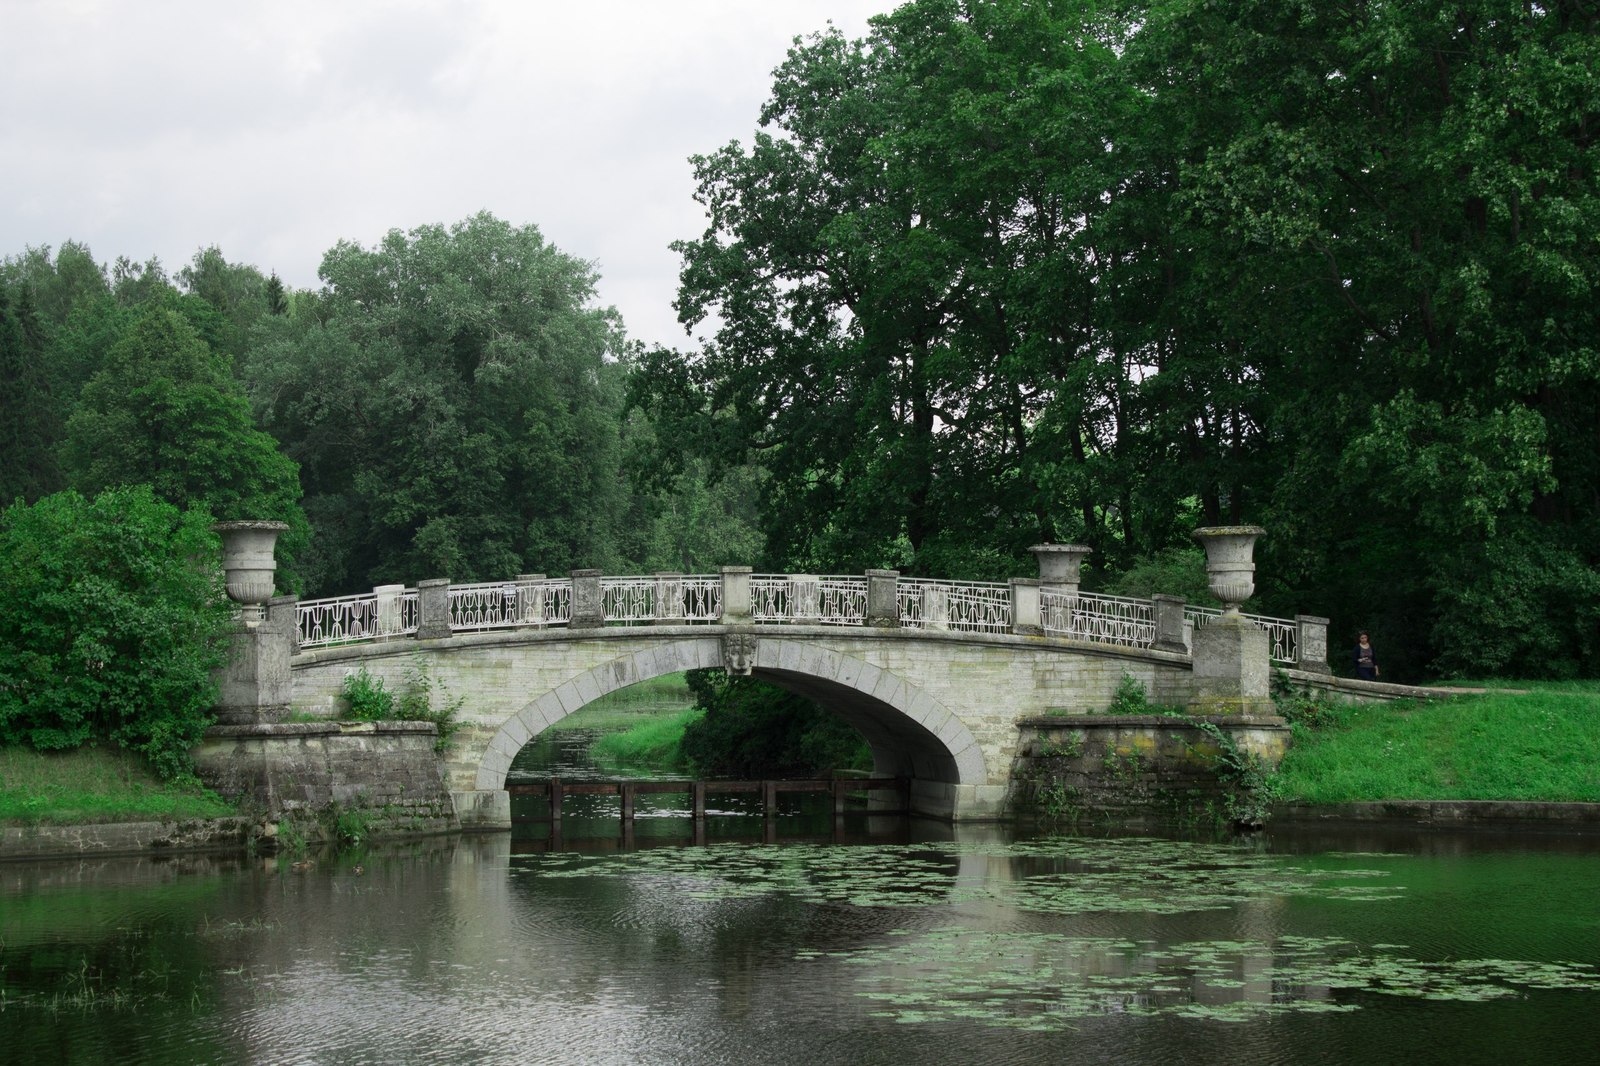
[306, 771]
[1131, 766]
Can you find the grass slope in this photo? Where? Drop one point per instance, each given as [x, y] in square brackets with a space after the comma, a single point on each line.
[93, 785]
[1539, 744]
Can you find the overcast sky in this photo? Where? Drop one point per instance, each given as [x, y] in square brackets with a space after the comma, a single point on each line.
[272, 130]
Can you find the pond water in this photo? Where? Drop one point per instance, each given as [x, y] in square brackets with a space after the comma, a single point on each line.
[875, 941]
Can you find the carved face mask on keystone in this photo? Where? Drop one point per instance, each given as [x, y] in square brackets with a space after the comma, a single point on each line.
[738, 654]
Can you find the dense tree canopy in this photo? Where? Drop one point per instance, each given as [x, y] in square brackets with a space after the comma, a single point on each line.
[450, 401]
[1018, 269]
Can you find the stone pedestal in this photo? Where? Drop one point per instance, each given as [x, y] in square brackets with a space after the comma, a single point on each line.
[883, 598]
[255, 686]
[1169, 624]
[433, 609]
[1311, 644]
[1026, 619]
[1232, 669]
[735, 595]
[588, 606]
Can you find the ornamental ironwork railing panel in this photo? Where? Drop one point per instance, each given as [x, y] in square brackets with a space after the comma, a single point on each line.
[491, 605]
[908, 595]
[702, 598]
[980, 608]
[344, 619]
[842, 601]
[1101, 619]
[969, 606]
[628, 601]
[770, 597]
[1283, 634]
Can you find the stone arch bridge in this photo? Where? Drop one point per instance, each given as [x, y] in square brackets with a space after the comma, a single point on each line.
[935, 675]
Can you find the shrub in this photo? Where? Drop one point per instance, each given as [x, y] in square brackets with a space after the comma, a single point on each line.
[112, 619]
[366, 700]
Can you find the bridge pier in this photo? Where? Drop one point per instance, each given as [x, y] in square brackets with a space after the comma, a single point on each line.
[482, 810]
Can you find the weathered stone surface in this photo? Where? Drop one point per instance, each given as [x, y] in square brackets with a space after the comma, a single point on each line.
[928, 703]
[388, 770]
[1134, 765]
[1232, 668]
[124, 838]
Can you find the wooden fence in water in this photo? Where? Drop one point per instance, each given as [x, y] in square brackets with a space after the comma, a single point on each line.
[555, 790]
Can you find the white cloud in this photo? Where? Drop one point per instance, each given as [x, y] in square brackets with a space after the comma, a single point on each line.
[275, 130]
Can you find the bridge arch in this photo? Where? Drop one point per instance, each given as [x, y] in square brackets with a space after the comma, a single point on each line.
[910, 732]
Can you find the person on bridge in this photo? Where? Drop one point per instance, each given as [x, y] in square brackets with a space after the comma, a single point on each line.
[1366, 659]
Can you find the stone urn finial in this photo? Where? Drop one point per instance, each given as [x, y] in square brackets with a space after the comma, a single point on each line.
[1230, 562]
[248, 563]
[1060, 565]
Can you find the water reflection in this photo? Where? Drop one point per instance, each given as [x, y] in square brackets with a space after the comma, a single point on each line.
[934, 943]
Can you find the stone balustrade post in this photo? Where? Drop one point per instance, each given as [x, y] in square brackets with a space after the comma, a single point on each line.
[1311, 644]
[1026, 619]
[530, 599]
[389, 613]
[1169, 624]
[883, 598]
[433, 609]
[936, 607]
[588, 603]
[805, 599]
[669, 599]
[736, 595]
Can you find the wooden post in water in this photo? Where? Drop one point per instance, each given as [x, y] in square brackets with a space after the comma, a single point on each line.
[555, 800]
[628, 789]
[697, 804]
[769, 799]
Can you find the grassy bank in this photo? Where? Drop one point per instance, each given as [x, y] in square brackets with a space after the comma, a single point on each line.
[93, 785]
[1538, 744]
[653, 743]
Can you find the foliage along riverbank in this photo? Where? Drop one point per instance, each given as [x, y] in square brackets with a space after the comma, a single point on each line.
[1538, 744]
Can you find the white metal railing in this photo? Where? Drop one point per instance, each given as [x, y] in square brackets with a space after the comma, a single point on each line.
[629, 600]
[341, 619]
[1283, 634]
[489, 605]
[769, 597]
[968, 606]
[925, 604]
[702, 598]
[842, 601]
[1101, 619]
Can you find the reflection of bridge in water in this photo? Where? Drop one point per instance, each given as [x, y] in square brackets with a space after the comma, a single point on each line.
[934, 675]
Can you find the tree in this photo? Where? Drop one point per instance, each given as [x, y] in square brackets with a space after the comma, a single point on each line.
[1410, 200]
[901, 267]
[1030, 269]
[449, 397]
[112, 618]
[164, 411]
[30, 427]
